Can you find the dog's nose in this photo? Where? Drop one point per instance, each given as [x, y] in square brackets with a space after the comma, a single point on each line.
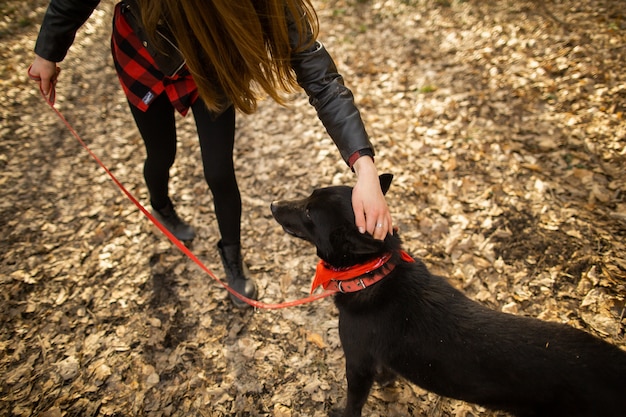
[273, 207]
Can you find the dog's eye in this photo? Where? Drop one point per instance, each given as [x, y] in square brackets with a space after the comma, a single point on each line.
[307, 213]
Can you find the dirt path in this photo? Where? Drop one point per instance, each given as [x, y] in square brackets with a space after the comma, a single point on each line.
[503, 123]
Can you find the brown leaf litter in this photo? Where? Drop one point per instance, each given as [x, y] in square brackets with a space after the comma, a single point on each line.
[503, 123]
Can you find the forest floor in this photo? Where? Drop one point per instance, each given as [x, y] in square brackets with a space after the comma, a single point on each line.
[503, 123]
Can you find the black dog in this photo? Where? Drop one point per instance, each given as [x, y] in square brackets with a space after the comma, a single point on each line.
[395, 318]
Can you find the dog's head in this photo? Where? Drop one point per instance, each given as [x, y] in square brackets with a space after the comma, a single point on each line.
[326, 219]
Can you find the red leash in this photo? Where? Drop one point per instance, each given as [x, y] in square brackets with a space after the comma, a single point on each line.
[171, 237]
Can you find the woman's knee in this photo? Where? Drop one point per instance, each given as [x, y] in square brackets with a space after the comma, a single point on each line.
[220, 178]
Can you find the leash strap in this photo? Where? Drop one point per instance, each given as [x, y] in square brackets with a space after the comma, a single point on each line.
[53, 81]
[254, 303]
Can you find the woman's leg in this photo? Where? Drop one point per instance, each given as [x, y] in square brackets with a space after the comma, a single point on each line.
[217, 139]
[157, 127]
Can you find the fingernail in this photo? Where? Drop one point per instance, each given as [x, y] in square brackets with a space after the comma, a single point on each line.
[362, 229]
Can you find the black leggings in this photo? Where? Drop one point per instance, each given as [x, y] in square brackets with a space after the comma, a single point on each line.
[157, 127]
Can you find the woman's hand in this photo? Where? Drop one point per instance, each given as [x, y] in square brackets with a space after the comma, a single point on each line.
[45, 72]
[370, 207]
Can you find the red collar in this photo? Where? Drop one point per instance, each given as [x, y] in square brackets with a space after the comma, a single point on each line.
[357, 277]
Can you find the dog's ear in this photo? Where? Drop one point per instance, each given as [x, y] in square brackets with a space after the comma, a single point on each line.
[351, 241]
[364, 243]
[385, 182]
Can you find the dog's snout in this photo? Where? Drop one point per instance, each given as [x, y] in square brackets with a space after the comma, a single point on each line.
[275, 207]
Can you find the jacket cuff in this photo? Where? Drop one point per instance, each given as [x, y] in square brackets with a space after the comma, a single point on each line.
[356, 155]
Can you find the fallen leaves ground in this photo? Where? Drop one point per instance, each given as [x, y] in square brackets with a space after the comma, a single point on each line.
[503, 123]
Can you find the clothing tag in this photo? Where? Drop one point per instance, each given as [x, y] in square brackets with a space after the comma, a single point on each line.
[148, 97]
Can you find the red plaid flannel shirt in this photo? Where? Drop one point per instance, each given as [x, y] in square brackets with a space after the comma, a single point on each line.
[140, 78]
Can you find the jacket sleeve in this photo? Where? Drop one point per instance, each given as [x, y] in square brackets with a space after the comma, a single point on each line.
[58, 29]
[317, 74]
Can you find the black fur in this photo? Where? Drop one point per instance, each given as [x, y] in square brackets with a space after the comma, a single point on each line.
[418, 326]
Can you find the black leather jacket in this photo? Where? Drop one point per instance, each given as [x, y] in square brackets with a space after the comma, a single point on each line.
[315, 70]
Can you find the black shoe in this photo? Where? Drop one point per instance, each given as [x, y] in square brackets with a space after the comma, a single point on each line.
[237, 274]
[167, 217]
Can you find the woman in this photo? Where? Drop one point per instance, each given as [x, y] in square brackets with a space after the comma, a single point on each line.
[215, 57]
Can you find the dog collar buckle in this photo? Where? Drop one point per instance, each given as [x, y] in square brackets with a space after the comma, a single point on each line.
[359, 283]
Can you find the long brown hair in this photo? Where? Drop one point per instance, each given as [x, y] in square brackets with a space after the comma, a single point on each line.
[236, 49]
